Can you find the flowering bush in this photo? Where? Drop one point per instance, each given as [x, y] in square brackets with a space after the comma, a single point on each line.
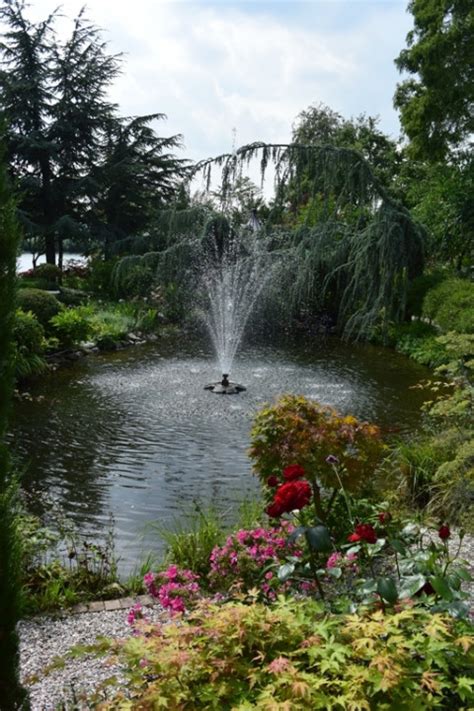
[303, 431]
[176, 589]
[247, 557]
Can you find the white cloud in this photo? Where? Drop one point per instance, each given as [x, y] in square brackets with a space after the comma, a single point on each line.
[248, 66]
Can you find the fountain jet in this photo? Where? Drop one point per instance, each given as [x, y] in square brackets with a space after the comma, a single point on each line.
[236, 268]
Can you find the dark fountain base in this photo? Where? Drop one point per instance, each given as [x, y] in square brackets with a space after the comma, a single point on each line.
[225, 387]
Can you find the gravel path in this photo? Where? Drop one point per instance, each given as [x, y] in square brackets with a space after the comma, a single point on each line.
[44, 639]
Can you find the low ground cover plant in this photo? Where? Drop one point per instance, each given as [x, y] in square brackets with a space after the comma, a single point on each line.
[293, 655]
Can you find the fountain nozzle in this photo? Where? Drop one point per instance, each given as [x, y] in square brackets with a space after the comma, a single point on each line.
[225, 387]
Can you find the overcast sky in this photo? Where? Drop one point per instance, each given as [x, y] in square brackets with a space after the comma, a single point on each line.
[216, 67]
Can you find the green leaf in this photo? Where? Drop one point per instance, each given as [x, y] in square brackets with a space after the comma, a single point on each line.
[464, 574]
[387, 589]
[367, 587]
[334, 572]
[441, 586]
[284, 571]
[319, 539]
[410, 585]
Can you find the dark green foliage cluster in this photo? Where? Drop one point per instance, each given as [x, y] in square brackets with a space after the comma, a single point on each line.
[418, 289]
[41, 303]
[85, 173]
[29, 345]
[437, 101]
[436, 469]
[11, 694]
[49, 272]
[451, 305]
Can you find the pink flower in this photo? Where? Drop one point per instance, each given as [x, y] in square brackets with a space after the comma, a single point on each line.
[333, 560]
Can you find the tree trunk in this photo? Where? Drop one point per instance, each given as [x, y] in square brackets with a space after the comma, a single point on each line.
[48, 210]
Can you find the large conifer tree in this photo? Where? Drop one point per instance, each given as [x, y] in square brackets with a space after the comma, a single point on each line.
[66, 142]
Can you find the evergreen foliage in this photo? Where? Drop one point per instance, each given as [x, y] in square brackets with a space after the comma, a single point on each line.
[11, 694]
[84, 172]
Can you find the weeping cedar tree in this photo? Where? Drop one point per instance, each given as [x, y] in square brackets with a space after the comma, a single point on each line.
[12, 696]
[66, 143]
[354, 256]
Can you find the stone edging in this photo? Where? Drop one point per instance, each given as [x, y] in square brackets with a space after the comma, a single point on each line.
[123, 603]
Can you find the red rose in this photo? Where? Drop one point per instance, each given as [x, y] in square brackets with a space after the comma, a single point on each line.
[294, 471]
[293, 495]
[444, 532]
[272, 481]
[364, 532]
[274, 510]
[385, 517]
[353, 538]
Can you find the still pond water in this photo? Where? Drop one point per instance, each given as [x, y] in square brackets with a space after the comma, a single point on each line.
[134, 435]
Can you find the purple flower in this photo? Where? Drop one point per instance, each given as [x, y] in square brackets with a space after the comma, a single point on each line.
[332, 459]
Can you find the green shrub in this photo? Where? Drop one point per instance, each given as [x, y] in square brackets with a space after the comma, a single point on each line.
[29, 343]
[42, 304]
[72, 297]
[418, 289]
[50, 272]
[43, 284]
[99, 277]
[452, 495]
[146, 320]
[294, 656]
[451, 305]
[426, 351]
[71, 326]
[416, 463]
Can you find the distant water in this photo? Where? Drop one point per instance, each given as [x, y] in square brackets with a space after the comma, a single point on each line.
[25, 260]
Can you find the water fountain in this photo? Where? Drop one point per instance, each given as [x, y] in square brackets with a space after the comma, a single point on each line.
[236, 268]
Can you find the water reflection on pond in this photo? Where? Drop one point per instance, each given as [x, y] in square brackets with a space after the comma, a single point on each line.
[135, 435]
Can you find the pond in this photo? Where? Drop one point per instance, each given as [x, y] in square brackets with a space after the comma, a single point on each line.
[133, 434]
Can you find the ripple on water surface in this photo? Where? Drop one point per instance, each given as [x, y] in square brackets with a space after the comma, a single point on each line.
[136, 435]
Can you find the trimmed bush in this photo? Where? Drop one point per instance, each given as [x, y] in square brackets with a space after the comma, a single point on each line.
[42, 304]
[50, 272]
[451, 305]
